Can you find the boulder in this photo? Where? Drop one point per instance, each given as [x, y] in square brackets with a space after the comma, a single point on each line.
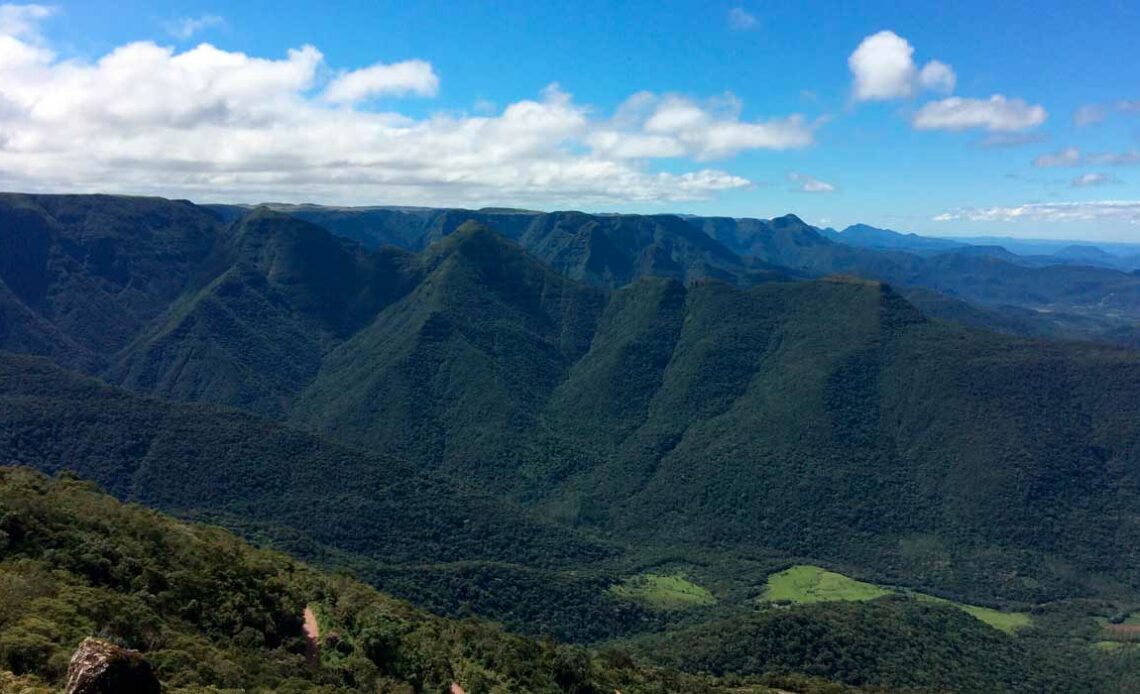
[101, 667]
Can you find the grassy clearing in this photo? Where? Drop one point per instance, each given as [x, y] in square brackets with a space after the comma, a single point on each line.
[807, 584]
[673, 592]
[1008, 622]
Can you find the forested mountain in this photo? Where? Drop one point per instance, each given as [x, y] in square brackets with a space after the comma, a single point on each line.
[866, 236]
[613, 249]
[604, 250]
[1071, 295]
[518, 414]
[208, 611]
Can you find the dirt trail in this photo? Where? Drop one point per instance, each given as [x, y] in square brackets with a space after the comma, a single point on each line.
[312, 636]
[456, 689]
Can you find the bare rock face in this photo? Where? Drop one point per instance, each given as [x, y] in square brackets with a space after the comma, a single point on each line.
[100, 667]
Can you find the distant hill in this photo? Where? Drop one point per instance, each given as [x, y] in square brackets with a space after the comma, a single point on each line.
[986, 276]
[867, 236]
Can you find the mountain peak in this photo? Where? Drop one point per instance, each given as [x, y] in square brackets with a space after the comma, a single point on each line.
[474, 239]
[788, 220]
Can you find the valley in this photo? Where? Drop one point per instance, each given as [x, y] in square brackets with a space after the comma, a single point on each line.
[618, 432]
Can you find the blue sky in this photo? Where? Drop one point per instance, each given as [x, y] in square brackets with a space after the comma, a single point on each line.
[742, 109]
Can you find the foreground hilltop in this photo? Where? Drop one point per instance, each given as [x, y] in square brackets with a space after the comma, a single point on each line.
[208, 610]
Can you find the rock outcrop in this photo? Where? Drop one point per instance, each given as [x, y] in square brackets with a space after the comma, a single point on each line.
[101, 667]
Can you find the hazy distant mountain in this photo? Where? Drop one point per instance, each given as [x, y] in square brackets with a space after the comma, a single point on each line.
[867, 236]
[1045, 247]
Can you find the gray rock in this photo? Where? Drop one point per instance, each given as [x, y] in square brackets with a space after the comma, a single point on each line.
[101, 667]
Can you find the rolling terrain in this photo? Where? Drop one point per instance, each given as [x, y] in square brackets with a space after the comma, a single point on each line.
[210, 612]
[597, 427]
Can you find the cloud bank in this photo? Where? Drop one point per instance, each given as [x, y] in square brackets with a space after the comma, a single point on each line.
[211, 123]
[1104, 210]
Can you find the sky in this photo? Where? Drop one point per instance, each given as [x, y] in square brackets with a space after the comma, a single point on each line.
[955, 119]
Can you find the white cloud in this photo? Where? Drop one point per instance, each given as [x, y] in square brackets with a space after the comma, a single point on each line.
[807, 184]
[1069, 156]
[938, 76]
[408, 77]
[996, 114]
[741, 19]
[1087, 180]
[22, 21]
[189, 26]
[650, 126]
[884, 68]
[215, 124]
[1072, 156]
[1104, 210]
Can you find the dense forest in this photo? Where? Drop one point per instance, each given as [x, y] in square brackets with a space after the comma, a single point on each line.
[208, 610]
[610, 430]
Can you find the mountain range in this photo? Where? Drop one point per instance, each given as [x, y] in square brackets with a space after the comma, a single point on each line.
[515, 413]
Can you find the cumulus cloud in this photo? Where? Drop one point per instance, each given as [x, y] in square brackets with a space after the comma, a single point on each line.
[23, 21]
[807, 184]
[217, 124]
[741, 19]
[1093, 179]
[883, 67]
[1072, 156]
[938, 76]
[1104, 210]
[996, 114]
[713, 130]
[409, 77]
[189, 26]
[649, 126]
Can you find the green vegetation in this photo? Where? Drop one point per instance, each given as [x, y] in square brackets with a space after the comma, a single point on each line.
[486, 431]
[1008, 622]
[210, 611]
[673, 592]
[810, 584]
[893, 642]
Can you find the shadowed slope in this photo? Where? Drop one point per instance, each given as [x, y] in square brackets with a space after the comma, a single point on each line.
[453, 373]
[256, 335]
